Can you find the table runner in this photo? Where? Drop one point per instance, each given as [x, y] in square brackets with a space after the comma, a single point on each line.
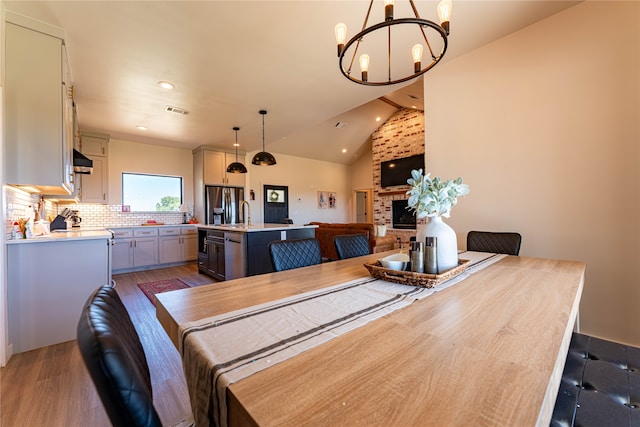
[226, 348]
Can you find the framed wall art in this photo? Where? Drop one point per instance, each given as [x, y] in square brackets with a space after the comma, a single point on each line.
[326, 199]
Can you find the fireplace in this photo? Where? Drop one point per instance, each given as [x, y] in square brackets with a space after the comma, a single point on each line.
[402, 218]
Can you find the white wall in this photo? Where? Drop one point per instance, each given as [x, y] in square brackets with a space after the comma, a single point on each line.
[304, 177]
[128, 156]
[544, 126]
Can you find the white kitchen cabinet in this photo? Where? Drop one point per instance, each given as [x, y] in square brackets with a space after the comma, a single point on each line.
[39, 107]
[134, 248]
[177, 244]
[48, 283]
[169, 245]
[189, 244]
[145, 251]
[215, 169]
[93, 144]
[122, 257]
[147, 247]
[95, 186]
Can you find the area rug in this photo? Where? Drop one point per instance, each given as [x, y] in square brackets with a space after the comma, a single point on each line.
[150, 289]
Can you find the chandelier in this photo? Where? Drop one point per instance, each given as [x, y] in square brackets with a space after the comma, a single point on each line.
[377, 39]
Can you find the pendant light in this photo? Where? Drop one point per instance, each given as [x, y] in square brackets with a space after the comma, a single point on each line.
[236, 167]
[263, 158]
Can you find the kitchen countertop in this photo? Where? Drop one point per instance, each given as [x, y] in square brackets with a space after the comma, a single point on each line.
[119, 227]
[65, 236]
[243, 228]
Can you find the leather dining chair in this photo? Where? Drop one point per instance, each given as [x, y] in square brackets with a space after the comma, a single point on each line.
[351, 245]
[500, 243]
[290, 254]
[114, 356]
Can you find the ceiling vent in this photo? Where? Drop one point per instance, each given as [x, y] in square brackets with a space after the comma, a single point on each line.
[176, 110]
[340, 125]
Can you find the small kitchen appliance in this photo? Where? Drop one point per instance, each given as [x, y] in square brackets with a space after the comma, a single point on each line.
[75, 219]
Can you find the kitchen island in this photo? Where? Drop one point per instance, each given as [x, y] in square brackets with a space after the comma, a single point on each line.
[230, 251]
[49, 279]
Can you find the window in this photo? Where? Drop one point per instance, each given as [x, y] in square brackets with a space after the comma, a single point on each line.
[151, 193]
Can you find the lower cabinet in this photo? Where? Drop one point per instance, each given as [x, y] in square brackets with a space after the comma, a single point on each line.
[177, 244]
[45, 301]
[211, 260]
[150, 247]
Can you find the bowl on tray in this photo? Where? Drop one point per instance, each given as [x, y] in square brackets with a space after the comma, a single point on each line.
[395, 262]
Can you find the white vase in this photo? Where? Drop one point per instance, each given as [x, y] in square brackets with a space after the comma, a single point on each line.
[446, 244]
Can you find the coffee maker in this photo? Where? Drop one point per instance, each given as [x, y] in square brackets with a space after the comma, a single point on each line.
[75, 219]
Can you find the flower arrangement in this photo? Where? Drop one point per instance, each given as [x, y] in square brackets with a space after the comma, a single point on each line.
[433, 197]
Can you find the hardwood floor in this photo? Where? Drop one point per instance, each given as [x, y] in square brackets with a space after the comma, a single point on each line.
[50, 386]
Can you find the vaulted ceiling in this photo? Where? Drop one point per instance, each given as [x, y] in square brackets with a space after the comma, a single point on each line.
[230, 59]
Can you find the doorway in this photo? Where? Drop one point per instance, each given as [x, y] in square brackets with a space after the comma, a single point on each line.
[276, 203]
[363, 206]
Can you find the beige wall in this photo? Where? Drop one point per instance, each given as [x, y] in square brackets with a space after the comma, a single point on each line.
[544, 126]
[361, 176]
[304, 177]
[128, 156]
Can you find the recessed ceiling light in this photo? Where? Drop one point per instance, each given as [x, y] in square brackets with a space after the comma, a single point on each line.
[378, 119]
[141, 127]
[166, 85]
[344, 150]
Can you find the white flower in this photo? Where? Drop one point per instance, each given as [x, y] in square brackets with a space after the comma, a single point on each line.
[433, 197]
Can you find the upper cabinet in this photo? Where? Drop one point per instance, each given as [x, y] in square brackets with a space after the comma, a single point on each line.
[210, 168]
[39, 107]
[95, 185]
[215, 169]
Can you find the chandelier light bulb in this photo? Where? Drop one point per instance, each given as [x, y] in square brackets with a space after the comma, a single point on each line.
[388, 10]
[444, 12]
[416, 53]
[364, 66]
[341, 36]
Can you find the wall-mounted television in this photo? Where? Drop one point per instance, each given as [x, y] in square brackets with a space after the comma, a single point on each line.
[398, 171]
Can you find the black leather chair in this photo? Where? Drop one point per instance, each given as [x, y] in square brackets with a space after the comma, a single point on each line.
[289, 254]
[115, 358]
[500, 243]
[351, 245]
[600, 385]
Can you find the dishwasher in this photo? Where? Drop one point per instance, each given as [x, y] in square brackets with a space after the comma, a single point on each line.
[235, 248]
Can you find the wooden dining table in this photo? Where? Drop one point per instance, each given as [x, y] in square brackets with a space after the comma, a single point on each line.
[488, 351]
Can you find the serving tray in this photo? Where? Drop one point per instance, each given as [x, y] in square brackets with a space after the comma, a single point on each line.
[415, 279]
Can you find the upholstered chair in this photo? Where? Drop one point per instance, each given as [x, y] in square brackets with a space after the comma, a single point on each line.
[351, 245]
[112, 351]
[500, 243]
[289, 254]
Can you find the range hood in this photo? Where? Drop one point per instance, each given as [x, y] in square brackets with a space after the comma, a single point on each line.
[81, 163]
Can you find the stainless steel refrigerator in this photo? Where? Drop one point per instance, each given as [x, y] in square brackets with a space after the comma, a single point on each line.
[222, 204]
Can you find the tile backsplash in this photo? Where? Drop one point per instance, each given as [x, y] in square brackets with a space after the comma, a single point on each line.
[96, 215]
[19, 204]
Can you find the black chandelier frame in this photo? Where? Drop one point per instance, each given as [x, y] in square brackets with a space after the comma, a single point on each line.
[358, 38]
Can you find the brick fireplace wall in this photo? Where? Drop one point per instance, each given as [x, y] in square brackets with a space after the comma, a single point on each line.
[400, 136]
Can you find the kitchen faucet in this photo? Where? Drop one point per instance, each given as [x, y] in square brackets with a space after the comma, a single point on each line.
[248, 211]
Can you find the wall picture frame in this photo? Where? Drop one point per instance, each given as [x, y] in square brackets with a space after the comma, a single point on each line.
[322, 199]
[326, 199]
